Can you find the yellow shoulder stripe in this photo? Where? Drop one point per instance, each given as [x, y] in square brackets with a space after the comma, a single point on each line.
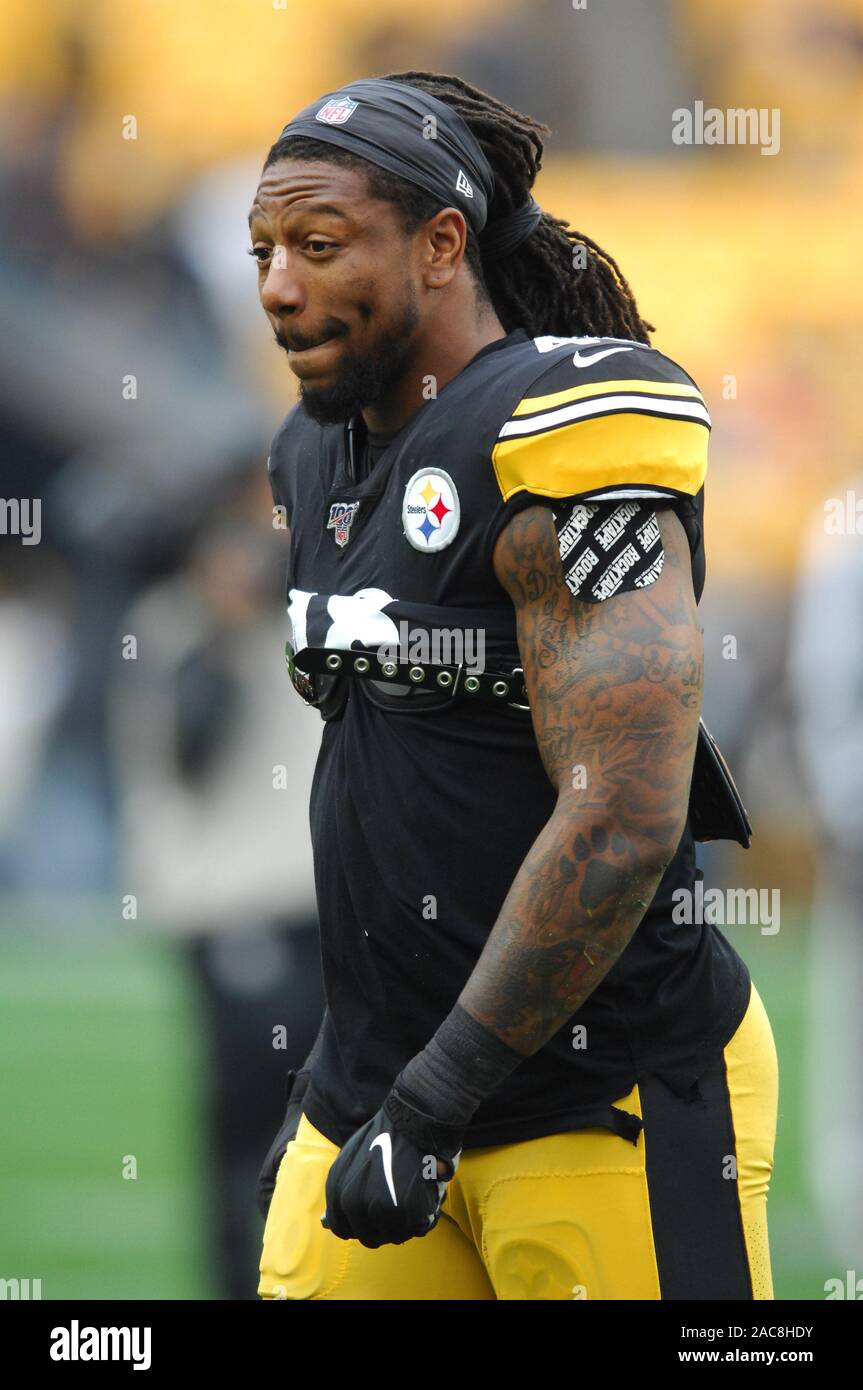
[532, 404]
[623, 450]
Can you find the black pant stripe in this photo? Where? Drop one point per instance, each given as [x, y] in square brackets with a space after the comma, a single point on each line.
[691, 1159]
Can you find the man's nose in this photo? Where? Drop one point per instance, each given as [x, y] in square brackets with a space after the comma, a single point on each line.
[283, 290]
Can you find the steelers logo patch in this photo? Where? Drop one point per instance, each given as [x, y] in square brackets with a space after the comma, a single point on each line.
[430, 511]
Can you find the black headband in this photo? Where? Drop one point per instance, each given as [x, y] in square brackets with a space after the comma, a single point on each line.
[422, 139]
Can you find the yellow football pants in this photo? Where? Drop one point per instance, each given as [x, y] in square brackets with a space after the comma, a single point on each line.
[578, 1215]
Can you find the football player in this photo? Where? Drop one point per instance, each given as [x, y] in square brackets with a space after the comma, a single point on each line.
[538, 1075]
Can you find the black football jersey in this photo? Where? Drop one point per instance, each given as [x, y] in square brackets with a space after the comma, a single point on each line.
[423, 808]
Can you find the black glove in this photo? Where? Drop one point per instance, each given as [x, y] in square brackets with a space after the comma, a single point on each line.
[389, 1181]
[296, 1090]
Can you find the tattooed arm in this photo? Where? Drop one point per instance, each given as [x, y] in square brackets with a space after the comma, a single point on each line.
[615, 694]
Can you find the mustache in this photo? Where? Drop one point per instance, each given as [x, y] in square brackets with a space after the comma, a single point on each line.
[294, 341]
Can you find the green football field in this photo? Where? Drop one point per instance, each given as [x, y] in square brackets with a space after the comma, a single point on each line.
[101, 1069]
[101, 1076]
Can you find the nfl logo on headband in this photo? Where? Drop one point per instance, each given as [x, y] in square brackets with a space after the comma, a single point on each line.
[336, 112]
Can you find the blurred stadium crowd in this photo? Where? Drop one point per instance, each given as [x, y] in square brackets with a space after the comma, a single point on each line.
[139, 389]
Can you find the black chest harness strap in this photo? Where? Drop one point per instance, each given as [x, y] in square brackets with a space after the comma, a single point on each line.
[716, 811]
[458, 682]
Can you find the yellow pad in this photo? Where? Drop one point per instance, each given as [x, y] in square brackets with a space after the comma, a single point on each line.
[626, 450]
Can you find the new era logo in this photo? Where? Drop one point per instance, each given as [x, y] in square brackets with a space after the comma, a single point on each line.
[462, 185]
[336, 112]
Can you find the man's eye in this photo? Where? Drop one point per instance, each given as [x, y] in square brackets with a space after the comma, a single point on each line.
[316, 246]
[261, 253]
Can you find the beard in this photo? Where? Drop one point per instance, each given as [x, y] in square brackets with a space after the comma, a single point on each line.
[365, 378]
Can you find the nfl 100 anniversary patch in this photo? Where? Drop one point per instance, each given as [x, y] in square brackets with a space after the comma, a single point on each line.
[341, 520]
[608, 548]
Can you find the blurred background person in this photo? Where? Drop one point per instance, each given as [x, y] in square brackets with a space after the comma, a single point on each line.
[826, 670]
[214, 844]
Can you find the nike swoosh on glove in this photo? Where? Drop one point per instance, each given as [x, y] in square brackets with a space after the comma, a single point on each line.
[387, 1184]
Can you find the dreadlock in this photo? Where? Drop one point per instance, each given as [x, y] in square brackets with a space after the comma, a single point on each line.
[558, 281]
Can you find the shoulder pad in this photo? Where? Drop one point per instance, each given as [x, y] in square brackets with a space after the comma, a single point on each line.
[604, 417]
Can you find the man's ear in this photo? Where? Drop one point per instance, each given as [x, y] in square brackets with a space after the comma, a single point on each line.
[444, 245]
